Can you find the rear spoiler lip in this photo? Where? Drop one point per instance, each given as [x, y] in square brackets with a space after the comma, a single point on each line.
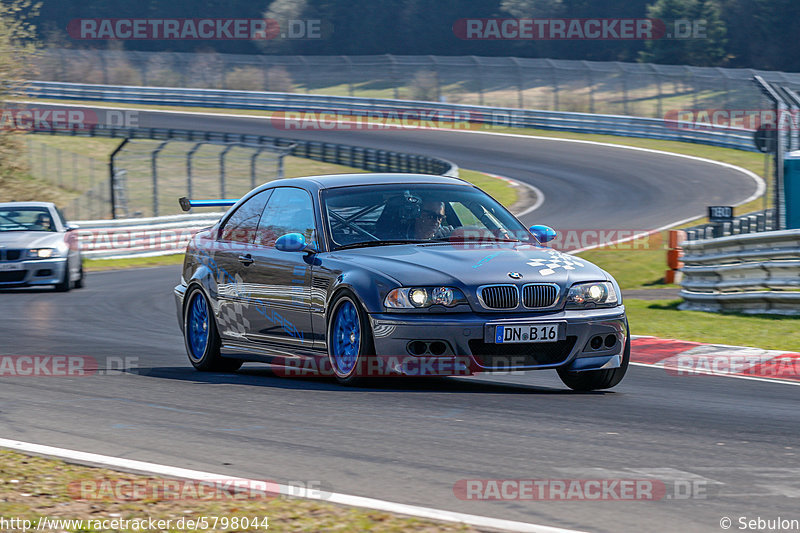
[187, 204]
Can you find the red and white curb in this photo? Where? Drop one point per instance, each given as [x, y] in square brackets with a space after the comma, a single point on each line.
[684, 358]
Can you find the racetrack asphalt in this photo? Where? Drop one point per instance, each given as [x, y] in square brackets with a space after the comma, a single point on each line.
[404, 440]
[411, 440]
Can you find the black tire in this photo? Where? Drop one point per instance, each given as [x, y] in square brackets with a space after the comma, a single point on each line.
[65, 284]
[366, 348]
[79, 283]
[598, 379]
[210, 360]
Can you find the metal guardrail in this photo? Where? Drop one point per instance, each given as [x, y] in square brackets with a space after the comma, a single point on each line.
[748, 223]
[750, 273]
[110, 239]
[624, 125]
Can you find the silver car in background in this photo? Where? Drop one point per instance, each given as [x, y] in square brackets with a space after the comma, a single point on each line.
[37, 247]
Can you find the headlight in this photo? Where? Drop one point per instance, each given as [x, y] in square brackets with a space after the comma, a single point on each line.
[594, 294]
[41, 253]
[420, 297]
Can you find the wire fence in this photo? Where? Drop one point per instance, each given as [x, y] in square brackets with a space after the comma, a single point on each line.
[637, 89]
[150, 175]
[82, 177]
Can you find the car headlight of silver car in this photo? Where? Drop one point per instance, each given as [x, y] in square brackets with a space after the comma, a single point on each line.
[41, 253]
[593, 294]
[421, 297]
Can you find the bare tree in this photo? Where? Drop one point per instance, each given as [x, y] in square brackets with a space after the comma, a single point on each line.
[17, 47]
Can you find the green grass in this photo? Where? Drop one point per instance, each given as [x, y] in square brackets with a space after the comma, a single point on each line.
[97, 265]
[633, 269]
[497, 189]
[661, 318]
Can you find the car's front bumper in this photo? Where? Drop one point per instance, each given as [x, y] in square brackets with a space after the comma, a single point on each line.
[32, 272]
[469, 346]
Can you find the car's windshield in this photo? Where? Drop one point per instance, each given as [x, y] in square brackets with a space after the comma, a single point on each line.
[26, 219]
[370, 215]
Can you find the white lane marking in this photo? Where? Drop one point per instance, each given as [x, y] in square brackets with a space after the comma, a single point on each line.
[343, 499]
[703, 372]
[760, 184]
[536, 191]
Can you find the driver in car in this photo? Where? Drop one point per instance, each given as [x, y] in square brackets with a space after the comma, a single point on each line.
[428, 225]
[43, 222]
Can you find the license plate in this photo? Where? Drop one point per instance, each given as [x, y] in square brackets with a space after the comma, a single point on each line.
[10, 266]
[526, 333]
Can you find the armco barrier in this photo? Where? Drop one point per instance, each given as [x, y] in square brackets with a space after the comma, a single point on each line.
[750, 273]
[142, 237]
[628, 126]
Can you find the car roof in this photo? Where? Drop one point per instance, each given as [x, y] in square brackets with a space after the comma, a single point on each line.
[27, 204]
[330, 181]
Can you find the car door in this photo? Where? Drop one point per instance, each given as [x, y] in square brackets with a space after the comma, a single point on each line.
[231, 262]
[279, 282]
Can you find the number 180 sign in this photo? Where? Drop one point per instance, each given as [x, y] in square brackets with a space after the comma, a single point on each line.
[720, 213]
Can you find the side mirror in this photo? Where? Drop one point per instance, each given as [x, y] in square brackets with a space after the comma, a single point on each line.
[72, 227]
[543, 233]
[293, 242]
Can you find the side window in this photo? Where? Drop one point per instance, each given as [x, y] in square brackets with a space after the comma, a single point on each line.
[289, 210]
[242, 224]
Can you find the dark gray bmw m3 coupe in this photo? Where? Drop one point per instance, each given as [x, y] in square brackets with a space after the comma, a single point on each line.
[364, 275]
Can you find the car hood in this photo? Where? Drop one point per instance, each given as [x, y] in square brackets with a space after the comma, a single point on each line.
[30, 239]
[471, 265]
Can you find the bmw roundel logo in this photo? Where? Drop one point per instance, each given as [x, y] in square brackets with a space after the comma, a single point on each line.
[515, 275]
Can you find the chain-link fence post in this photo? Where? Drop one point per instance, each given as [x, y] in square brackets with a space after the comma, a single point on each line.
[222, 170]
[189, 155]
[154, 172]
[253, 167]
[74, 171]
[393, 75]
[58, 168]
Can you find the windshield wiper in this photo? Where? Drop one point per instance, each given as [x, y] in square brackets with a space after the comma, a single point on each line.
[367, 244]
[470, 239]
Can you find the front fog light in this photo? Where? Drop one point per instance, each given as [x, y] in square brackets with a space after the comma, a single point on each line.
[418, 297]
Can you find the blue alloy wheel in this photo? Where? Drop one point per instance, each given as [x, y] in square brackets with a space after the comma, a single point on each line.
[198, 326]
[346, 333]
